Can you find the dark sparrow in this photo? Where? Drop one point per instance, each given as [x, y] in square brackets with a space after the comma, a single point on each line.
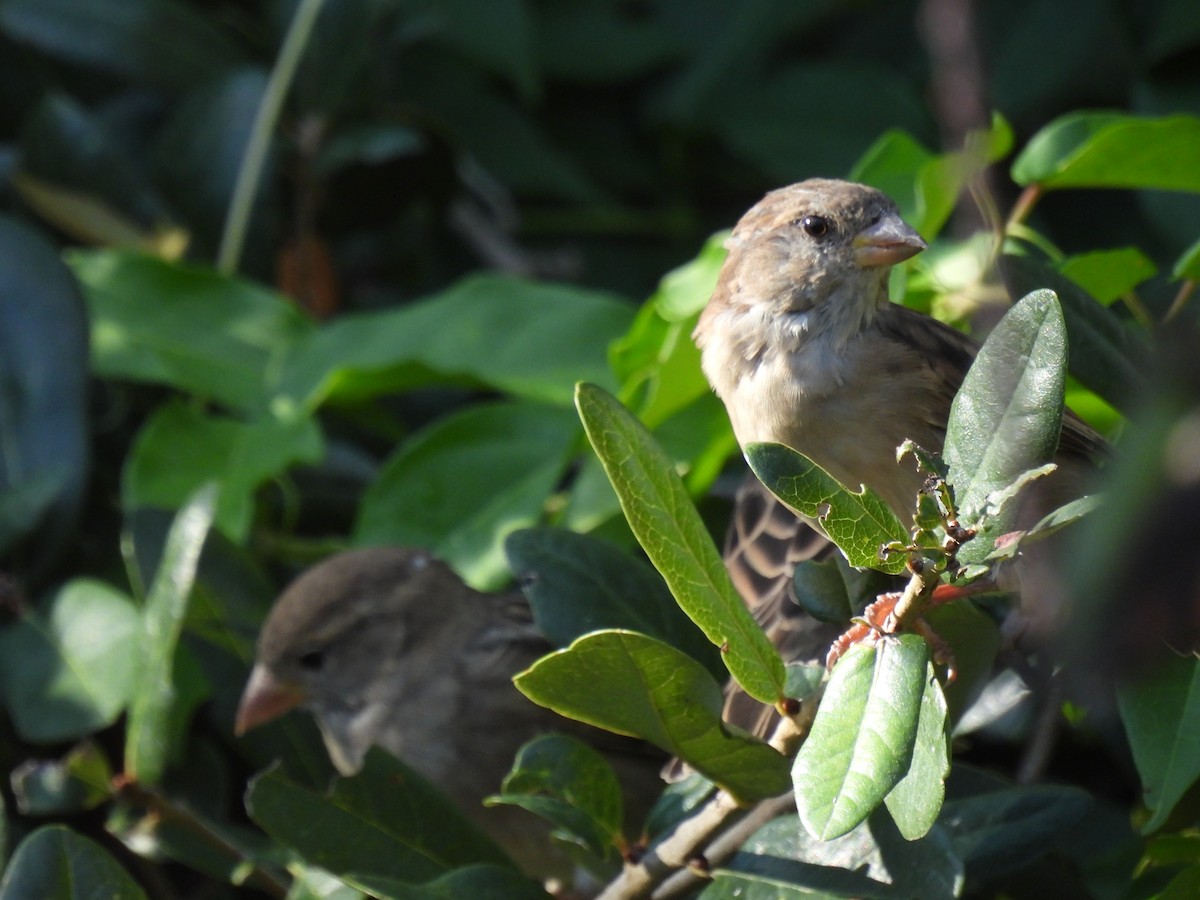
[388, 646]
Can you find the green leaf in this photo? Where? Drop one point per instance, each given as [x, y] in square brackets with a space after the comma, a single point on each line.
[43, 403]
[652, 691]
[1188, 264]
[153, 42]
[974, 638]
[670, 530]
[924, 185]
[782, 861]
[146, 742]
[916, 799]
[499, 35]
[460, 485]
[831, 590]
[479, 882]
[859, 523]
[55, 863]
[67, 669]
[571, 784]
[1007, 415]
[182, 447]
[656, 360]
[578, 583]
[1109, 274]
[1009, 828]
[1159, 711]
[1105, 354]
[197, 166]
[1111, 150]
[525, 338]
[185, 326]
[861, 743]
[385, 822]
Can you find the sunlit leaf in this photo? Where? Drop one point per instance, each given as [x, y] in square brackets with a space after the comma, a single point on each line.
[673, 535]
[1113, 150]
[652, 691]
[861, 743]
[859, 523]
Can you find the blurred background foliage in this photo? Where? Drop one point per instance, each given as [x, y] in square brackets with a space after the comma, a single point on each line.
[463, 208]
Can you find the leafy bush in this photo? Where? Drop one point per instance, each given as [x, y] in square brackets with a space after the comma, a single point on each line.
[177, 437]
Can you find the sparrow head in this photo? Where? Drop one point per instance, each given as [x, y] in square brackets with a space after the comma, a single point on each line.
[814, 257]
[337, 641]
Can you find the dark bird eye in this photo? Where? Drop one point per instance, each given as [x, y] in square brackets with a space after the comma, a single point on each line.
[312, 660]
[815, 226]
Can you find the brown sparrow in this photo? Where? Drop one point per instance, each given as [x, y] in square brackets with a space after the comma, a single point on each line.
[803, 347]
[388, 646]
[801, 344]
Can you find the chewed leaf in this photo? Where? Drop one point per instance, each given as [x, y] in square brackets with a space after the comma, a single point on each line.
[859, 523]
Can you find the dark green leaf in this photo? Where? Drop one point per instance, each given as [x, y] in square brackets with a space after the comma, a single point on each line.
[1105, 354]
[43, 398]
[859, 523]
[578, 583]
[146, 741]
[632, 684]
[782, 861]
[368, 144]
[861, 743]
[576, 41]
[181, 447]
[67, 155]
[758, 124]
[479, 882]
[498, 34]
[1004, 829]
[196, 165]
[386, 822]
[572, 785]
[1006, 417]
[185, 326]
[1113, 151]
[458, 486]
[916, 799]
[68, 669]
[55, 863]
[832, 590]
[974, 639]
[159, 42]
[1158, 711]
[525, 338]
[674, 537]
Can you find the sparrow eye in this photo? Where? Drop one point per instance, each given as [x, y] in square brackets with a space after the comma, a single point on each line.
[312, 660]
[815, 226]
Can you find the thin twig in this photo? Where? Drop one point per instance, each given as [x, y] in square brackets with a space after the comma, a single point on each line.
[233, 236]
[1024, 206]
[670, 856]
[1186, 289]
[136, 795]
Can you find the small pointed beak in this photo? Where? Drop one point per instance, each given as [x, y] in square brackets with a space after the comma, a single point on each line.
[889, 241]
[265, 698]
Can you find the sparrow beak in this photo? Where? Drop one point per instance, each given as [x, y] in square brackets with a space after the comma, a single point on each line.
[265, 698]
[889, 241]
